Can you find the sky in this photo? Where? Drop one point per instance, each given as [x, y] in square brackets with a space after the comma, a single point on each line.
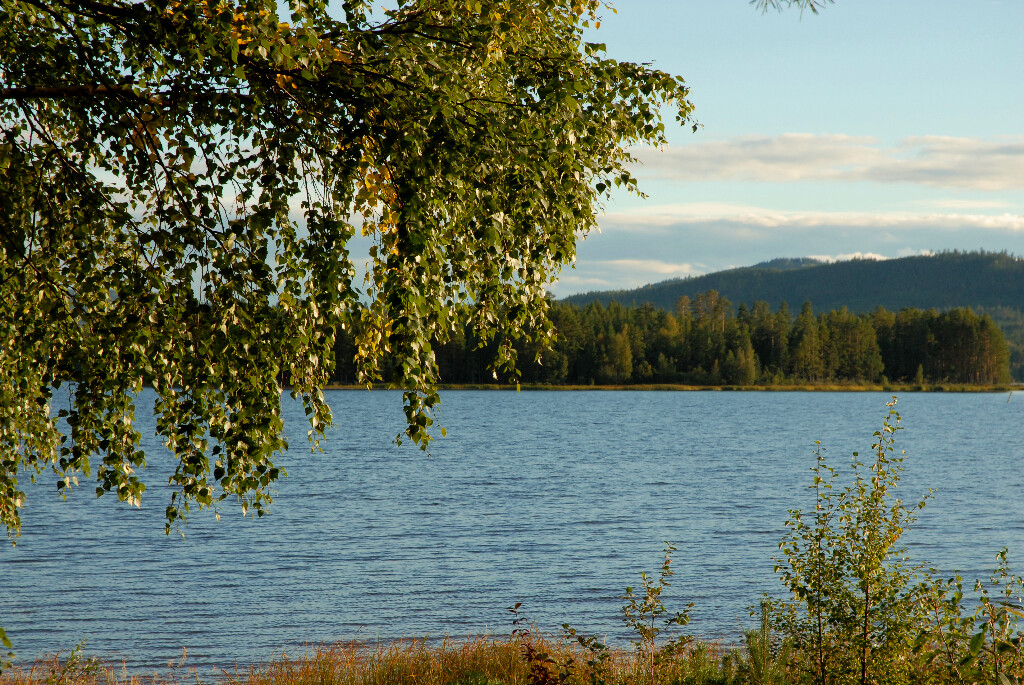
[875, 128]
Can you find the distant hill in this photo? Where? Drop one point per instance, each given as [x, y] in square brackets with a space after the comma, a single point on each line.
[982, 280]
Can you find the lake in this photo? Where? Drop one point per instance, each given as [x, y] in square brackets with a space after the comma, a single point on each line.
[554, 499]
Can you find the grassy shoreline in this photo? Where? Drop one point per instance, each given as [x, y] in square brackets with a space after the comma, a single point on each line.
[523, 659]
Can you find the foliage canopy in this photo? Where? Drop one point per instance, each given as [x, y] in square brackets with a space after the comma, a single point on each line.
[180, 181]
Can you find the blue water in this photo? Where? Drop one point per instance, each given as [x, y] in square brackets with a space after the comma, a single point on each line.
[554, 499]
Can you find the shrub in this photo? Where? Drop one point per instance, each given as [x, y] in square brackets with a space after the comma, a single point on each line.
[855, 601]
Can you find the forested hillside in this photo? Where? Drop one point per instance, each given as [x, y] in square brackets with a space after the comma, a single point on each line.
[949, 279]
[989, 282]
[705, 342]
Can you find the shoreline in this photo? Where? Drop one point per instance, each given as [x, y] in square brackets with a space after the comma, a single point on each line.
[678, 387]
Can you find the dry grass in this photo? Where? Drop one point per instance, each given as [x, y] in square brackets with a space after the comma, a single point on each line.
[467, 662]
[400, 663]
[483, 661]
[72, 670]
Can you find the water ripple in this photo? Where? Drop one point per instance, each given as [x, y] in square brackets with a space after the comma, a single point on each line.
[555, 500]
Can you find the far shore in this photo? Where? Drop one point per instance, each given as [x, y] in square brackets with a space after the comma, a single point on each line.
[674, 387]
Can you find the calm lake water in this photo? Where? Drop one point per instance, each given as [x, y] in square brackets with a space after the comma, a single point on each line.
[554, 499]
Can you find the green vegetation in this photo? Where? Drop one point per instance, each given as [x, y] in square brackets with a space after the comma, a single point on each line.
[648, 618]
[855, 605]
[180, 181]
[988, 282]
[703, 343]
[856, 611]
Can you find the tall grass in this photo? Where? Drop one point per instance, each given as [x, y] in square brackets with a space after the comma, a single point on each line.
[483, 661]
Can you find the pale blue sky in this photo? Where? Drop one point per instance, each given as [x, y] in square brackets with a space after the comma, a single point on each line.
[885, 128]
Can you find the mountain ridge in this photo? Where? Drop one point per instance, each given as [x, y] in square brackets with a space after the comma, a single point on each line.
[984, 280]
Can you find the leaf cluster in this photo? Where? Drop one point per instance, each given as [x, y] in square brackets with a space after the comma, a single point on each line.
[180, 181]
[975, 641]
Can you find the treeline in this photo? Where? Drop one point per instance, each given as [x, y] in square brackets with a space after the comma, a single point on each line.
[704, 341]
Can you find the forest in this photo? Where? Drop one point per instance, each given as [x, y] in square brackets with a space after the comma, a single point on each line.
[706, 341]
[989, 282]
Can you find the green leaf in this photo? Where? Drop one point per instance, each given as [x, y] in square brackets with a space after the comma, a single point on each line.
[977, 640]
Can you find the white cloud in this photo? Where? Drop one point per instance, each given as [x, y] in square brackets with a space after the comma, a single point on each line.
[848, 256]
[572, 283]
[937, 161]
[788, 157]
[963, 204]
[653, 266]
[740, 215]
[953, 162]
[611, 274]
[910, 252]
